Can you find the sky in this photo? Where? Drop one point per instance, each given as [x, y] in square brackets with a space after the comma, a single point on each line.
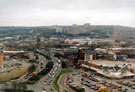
[67, 12]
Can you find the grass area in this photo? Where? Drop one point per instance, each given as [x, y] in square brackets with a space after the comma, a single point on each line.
[57, 78]
[13, 74]
[65, 90]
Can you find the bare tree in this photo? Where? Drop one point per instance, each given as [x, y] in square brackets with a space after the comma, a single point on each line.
[24, 87]
[15, 86]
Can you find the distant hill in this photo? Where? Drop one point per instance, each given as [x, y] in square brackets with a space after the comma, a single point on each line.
[93, 31]
[103, 31]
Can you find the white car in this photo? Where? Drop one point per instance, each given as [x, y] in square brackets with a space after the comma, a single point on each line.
[43, 91]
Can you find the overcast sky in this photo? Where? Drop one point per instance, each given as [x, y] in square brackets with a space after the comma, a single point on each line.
[67, 12]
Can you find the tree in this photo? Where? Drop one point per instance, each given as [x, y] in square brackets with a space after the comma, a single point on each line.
[49, 64]
[19, 86]
[64, 64]
[31, 68]
[34, 78]
[24, 86]
[14, 86]
[37, 57]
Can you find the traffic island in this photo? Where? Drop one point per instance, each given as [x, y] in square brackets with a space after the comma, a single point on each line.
[12, 75]
[56, 84]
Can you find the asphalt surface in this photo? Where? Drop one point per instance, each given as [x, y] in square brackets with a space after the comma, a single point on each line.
[109, 81]
[46, 83]
[63, 84]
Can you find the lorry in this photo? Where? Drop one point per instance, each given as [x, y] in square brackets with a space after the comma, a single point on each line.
[103, 89]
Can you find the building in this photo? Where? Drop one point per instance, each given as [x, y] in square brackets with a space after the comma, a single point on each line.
[1, 57]
[87, 55]
[77, 41]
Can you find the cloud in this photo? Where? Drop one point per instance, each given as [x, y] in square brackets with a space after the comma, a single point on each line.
[49, 12]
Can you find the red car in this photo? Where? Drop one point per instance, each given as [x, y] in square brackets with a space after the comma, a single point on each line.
[120, 89]
[109, 85]
[114, 87]
[133, 80]
[98, 87]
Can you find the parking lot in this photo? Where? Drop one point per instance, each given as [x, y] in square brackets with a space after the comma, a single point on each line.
[93, 83]
[13, 64]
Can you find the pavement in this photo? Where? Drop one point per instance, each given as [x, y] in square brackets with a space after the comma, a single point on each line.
[63, 83]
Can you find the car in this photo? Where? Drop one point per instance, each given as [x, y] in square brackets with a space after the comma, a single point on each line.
[113, 87]
[84, 75]
[86, 84]
[89, 82]
[89, 85]
[133, 80]
[41, 67]
[26, 77]
[126, 84]
[52, 76]
[83, 83]
[119, 89]
[119, 86]
[108, 85]
[93, 87]
[52, 89]
[119, 82]
[44, 83]
[125, 88]
[75, 73]
[43, 91]
[96, 88]
[44, 80]
[100, 82]
[44, 88]
[133, 87]
[130, 85]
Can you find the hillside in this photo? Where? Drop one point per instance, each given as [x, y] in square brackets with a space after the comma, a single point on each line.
[92, 31]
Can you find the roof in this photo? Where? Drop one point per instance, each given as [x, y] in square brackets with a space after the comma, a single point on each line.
[132, 51]
[89, 51]
[13, 51]
[71, 51]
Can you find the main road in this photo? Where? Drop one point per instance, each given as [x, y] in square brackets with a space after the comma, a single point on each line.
[46, 83]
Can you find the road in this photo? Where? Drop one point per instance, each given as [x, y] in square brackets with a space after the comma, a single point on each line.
[63, 83]
[42, 60]
[46, 83]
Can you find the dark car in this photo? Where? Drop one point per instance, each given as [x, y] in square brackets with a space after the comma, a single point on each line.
[52, 89]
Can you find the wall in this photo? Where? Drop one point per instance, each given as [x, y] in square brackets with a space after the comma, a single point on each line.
[90, 64]
[1, 59]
